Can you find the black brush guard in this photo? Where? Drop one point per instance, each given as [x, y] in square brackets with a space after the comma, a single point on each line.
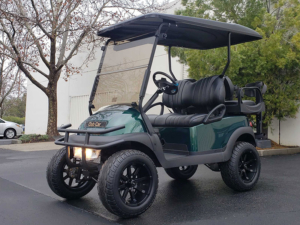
[65, 142]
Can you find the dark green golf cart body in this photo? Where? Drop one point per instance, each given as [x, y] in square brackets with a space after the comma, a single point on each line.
[206, 124]
[195, 131]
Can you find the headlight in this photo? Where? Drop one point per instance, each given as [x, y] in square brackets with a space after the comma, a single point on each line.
[90, 154]
[18, 125]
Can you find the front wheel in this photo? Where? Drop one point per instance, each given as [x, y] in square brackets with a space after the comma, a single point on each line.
[242, 171]
[182, 172]
[10, 133]
[127, 183]
[67, 182]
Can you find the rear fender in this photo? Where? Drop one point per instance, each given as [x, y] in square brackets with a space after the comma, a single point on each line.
[241, 134]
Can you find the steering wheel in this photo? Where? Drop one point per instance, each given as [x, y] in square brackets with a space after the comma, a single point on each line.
[164, 85]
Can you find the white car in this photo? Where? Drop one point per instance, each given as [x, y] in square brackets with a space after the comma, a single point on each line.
[10, 129]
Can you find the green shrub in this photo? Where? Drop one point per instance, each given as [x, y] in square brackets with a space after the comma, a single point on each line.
[25, 138]
[29, 138]
[15, 119]
[43, 137]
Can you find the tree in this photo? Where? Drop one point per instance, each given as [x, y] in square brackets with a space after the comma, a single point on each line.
[14, 106]
[10, 77]
[274, 60]
[44, 35]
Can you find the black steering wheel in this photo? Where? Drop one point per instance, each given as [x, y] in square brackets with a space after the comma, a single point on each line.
[164, 85]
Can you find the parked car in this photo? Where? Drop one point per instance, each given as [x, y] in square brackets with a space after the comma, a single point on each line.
[10, 129]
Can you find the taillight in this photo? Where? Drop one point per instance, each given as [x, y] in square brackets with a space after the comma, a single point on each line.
[250, 124]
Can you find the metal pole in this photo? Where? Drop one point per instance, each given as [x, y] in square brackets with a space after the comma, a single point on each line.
[228, 55]
[170, 65]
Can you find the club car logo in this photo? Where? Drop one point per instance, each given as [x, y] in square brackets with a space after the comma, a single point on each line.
[96, 124]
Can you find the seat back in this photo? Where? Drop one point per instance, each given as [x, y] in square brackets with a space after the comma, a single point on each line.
[178, 101]
[229, 88]
[197, 97]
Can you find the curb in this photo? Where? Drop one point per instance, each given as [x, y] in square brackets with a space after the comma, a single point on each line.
[283, 151]
[16, 141]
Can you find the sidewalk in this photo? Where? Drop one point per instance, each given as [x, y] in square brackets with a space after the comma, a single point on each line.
[30, 147]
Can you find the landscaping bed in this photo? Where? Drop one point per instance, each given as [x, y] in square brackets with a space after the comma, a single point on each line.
[32, 138]
[277, 146]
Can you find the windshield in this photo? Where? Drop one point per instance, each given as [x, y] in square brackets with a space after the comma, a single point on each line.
[122, 73]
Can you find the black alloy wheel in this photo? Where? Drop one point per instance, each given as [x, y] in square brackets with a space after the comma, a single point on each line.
[127, 184]
[73, 177]
[135, 183]
[248, 166]
[68, 182]
[241, 172]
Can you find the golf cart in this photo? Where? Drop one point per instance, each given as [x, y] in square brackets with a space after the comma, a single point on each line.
[119, 146]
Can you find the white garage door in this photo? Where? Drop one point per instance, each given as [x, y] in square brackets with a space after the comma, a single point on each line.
[78, 110]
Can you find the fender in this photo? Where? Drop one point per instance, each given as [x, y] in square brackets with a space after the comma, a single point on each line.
[240, 134]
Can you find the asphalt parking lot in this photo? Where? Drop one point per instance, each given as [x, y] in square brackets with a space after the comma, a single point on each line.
[25, 197]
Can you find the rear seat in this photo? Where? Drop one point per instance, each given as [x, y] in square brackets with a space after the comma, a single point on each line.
[198, 97]
[195, 99]
[241, 106]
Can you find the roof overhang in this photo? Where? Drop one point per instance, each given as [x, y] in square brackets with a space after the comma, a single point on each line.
[187, 32]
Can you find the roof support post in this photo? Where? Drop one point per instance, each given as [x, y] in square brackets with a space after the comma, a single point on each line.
[228, 55]
[170, 65]
[146, 79]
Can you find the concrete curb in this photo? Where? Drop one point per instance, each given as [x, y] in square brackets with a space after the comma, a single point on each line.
[16, 141]
[284, 151]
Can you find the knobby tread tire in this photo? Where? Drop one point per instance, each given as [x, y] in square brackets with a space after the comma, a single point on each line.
[229, 170]
[56, 183]
[106, 179]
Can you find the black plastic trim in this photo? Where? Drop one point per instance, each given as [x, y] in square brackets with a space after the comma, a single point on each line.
[208, 118]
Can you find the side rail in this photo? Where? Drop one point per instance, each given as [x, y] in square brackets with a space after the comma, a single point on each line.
[216, 114]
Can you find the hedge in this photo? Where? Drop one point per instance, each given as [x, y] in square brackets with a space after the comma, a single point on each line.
[14, 119]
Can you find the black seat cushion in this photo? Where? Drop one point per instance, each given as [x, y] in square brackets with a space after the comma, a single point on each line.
[179, 100]
[203, 95]
[176, 120]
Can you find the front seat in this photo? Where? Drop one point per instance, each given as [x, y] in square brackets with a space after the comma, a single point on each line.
[199, 97]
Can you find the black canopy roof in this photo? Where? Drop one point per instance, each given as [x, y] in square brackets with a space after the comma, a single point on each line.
[187, 32]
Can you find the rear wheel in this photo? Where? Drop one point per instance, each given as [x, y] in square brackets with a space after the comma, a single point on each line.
[182, 172]
[127, 184]
[67, 182]
[242, 171]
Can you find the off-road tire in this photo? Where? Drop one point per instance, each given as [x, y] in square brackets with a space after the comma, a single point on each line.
[108, 182]
[230, 169]
[178, 174]
[56, 182]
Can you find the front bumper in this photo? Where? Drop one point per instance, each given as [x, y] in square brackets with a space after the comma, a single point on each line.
[19, 131]
[85, 141]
